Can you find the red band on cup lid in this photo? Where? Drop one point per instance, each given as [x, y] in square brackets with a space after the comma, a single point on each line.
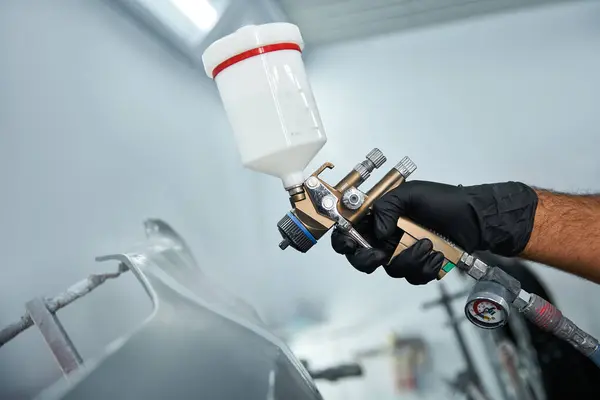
[253, 52]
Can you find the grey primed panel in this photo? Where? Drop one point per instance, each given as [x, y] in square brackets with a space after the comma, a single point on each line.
[200, 342]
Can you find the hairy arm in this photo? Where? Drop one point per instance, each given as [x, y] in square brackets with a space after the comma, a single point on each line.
[566, 233]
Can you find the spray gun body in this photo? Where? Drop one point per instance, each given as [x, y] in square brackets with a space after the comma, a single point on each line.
[318, 206]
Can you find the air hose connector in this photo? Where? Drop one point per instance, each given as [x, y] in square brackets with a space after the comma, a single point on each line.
[549, 318]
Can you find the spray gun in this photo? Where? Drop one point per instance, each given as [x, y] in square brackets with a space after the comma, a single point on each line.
[268, 100]
[318, 206]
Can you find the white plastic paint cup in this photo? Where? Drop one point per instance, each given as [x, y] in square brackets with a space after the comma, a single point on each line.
[265, 91]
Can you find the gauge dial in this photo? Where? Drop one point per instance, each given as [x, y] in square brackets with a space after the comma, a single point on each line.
[486, 313]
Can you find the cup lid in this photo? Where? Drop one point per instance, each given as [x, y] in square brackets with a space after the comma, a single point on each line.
[248, 38]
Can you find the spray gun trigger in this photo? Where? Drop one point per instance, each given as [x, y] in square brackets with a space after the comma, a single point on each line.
[353, 233]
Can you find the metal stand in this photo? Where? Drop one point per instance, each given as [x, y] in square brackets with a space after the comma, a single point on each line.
[467, 381]
[42, 313]
[54, 335]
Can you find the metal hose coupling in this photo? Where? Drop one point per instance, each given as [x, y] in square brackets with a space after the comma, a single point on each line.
[549, 318]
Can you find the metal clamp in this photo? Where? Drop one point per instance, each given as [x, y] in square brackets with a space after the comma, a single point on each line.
[326, 204]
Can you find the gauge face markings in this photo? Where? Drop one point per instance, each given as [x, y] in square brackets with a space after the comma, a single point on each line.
[486, 311]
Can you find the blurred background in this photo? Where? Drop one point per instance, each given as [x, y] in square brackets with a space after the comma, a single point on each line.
[107, 118]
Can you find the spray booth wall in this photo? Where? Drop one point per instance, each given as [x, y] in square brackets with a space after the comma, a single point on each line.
[509, 97]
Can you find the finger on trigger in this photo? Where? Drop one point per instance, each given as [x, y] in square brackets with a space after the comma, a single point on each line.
[342, 243]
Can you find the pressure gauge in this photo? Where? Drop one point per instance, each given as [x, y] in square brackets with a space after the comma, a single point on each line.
[487, 306]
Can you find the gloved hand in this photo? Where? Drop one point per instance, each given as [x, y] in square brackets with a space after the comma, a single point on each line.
[496, 217]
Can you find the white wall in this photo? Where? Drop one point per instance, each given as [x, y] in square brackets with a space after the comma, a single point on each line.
[508, 97]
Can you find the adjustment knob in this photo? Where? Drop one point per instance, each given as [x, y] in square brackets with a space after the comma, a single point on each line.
[406, 167]
[376, 157]
[353, 198]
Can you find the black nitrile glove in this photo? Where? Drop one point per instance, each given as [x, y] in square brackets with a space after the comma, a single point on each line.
[496, 217]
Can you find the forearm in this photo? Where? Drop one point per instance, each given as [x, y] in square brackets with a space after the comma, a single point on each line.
[566, 233]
